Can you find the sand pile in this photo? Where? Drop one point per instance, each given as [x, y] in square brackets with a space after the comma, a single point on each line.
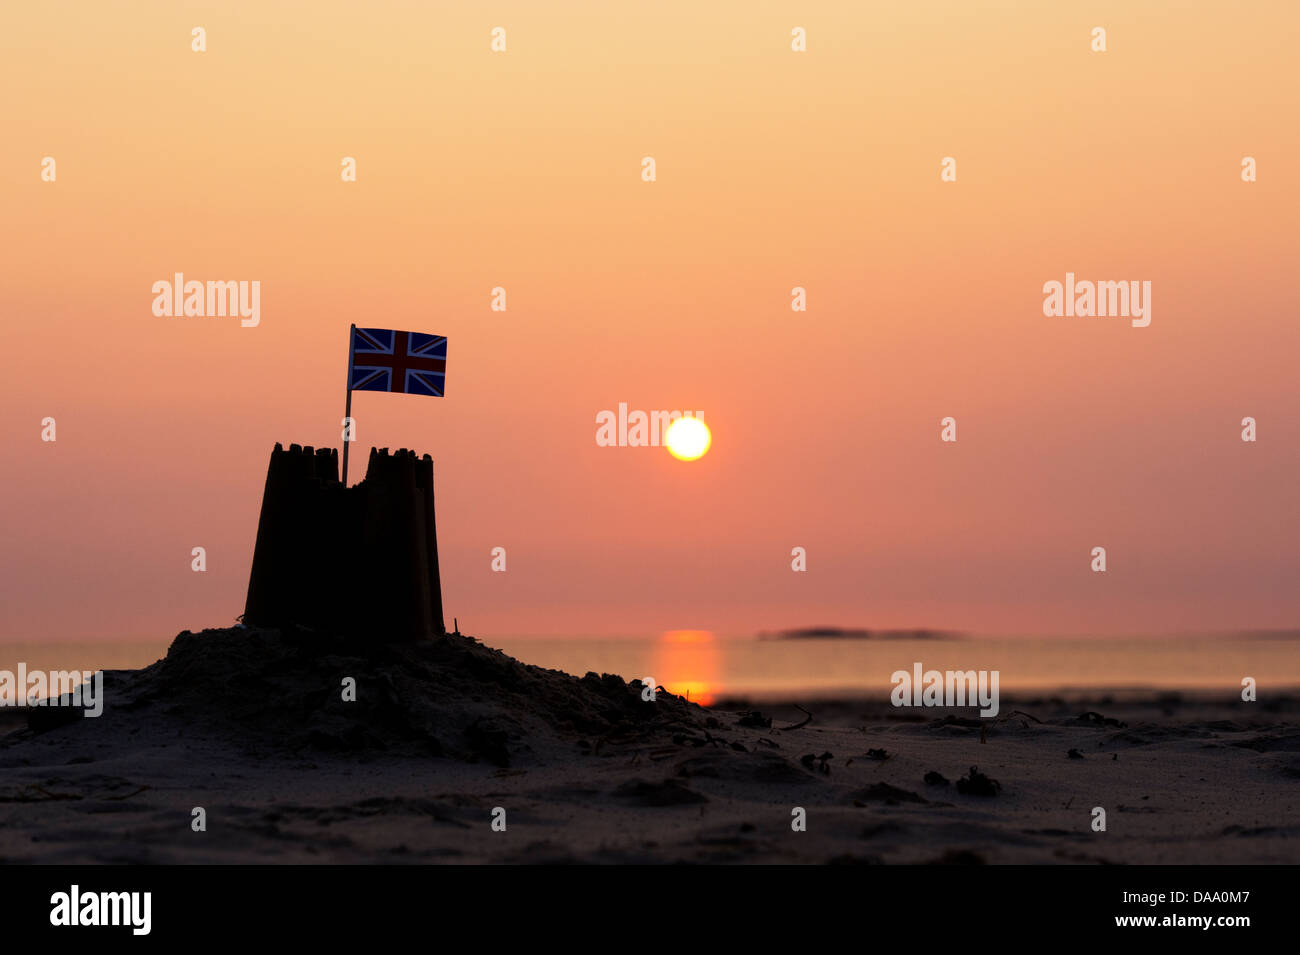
[453, 697]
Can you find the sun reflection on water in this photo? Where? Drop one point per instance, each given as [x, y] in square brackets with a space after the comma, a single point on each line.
[686, 662]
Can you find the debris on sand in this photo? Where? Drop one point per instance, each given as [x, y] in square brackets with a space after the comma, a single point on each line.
[977, 784]
[877, 754]
[1096, 719]
[936, 779]
[755, 720]
[1074, 754]
[820, 763]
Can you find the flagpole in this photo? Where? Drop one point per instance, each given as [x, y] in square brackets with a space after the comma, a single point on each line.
[347, 409]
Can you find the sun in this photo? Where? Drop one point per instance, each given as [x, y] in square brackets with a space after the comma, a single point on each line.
[688, 439]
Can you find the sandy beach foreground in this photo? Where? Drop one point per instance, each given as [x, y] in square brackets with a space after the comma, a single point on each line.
[250, 726]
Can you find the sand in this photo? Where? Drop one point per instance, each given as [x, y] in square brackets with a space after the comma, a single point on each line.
[250, 725]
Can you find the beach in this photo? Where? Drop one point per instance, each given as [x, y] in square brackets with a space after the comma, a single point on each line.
[448, 737]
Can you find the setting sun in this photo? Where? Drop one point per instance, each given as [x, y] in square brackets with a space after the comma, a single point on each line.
[688, 439]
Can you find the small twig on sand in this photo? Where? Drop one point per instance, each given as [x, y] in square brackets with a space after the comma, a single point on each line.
[1023, 713]
[807, 720]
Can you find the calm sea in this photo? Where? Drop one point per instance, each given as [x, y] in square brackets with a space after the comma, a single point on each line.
[709, 666]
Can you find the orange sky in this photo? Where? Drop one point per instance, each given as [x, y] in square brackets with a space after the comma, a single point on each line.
[775, 169]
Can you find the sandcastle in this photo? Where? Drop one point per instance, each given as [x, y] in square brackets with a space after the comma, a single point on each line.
[358, 561]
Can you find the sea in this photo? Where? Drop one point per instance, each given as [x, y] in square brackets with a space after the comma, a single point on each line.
[709, 667]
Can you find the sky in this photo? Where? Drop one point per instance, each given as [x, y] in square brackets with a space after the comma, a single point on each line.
[775, 169]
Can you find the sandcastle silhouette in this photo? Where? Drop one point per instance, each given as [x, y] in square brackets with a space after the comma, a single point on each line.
[358, 561]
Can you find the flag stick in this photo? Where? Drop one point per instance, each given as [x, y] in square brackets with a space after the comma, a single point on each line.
[347, 409]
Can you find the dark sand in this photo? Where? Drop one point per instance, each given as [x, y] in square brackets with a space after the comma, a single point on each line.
[250, 725]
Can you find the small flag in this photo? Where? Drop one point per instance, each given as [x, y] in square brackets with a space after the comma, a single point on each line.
[410, 363]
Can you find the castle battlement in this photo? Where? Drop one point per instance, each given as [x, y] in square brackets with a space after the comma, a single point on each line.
[360, 561]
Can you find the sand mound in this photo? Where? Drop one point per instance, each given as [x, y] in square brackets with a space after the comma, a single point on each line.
[449, 697]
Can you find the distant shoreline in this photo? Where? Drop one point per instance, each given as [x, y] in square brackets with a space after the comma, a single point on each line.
[858, 633]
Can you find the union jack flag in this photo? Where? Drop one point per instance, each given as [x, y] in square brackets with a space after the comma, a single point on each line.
[410, 363]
